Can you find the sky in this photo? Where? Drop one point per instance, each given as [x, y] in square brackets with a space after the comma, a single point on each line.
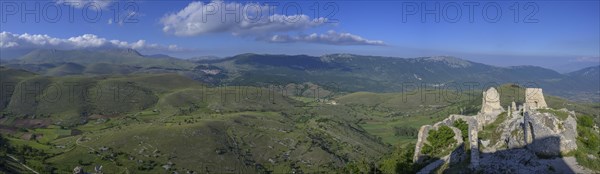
[503, 33]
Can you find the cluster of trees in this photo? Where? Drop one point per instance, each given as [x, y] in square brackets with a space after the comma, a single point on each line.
[400, 160]
[30, 153]
[406, 131]
[23, 154]
[4, 148]
[147, 165]
[439, 141]
[188, 110]
[361, 166]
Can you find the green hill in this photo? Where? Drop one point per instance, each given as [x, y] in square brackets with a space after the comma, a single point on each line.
[113, 56]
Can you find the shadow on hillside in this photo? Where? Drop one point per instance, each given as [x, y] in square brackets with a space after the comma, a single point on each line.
[540, 156]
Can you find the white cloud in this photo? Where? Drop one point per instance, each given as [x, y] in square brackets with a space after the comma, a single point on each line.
[92, 4]
[31, 41]
[86, 41]
[331, 37]
[252, 19]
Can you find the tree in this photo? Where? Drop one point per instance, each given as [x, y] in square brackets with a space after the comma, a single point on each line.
[4, 147]
[400, 160]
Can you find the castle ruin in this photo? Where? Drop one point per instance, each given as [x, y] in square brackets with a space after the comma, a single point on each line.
[523, 127]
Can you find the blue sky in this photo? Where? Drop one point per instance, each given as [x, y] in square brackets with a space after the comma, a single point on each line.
[545, 33]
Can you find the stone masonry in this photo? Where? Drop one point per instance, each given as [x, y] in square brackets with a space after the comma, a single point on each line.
[524, 126]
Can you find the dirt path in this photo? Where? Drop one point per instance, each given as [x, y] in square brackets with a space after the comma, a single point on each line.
[78, 142]
[27, 167]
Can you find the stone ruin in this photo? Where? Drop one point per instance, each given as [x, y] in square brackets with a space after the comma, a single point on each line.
[491, 101]
[524, 127]
[490, 107]
[534, 98]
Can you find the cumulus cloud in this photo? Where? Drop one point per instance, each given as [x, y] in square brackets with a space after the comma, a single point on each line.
[247, 19]
[252, 20]
[86, 3]
[32, 41]
[331, 37]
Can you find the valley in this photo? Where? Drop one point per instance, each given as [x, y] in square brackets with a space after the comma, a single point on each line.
[248, 113]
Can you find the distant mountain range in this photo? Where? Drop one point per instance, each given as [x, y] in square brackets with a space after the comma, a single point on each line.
[343, 72]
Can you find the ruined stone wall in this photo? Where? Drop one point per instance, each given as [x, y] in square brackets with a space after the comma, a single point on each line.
[534, 98]
[458, 154]
[421, 138]
[474, 143]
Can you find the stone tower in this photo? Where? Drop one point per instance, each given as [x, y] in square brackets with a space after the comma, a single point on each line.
[491, 101]
[534, 98]
[490, 107]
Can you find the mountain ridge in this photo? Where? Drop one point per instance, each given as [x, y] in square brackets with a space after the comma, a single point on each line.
[349, 72]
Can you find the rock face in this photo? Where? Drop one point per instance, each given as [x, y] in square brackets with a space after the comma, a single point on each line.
[534, 97]
[525, 135]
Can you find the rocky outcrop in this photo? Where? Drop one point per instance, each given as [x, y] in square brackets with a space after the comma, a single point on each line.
[513, 161]
[542, 133]
[550, 136]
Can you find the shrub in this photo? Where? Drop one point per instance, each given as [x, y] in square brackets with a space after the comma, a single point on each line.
[439, 140]
[585, 121]
[464, 128]
[400, 160]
